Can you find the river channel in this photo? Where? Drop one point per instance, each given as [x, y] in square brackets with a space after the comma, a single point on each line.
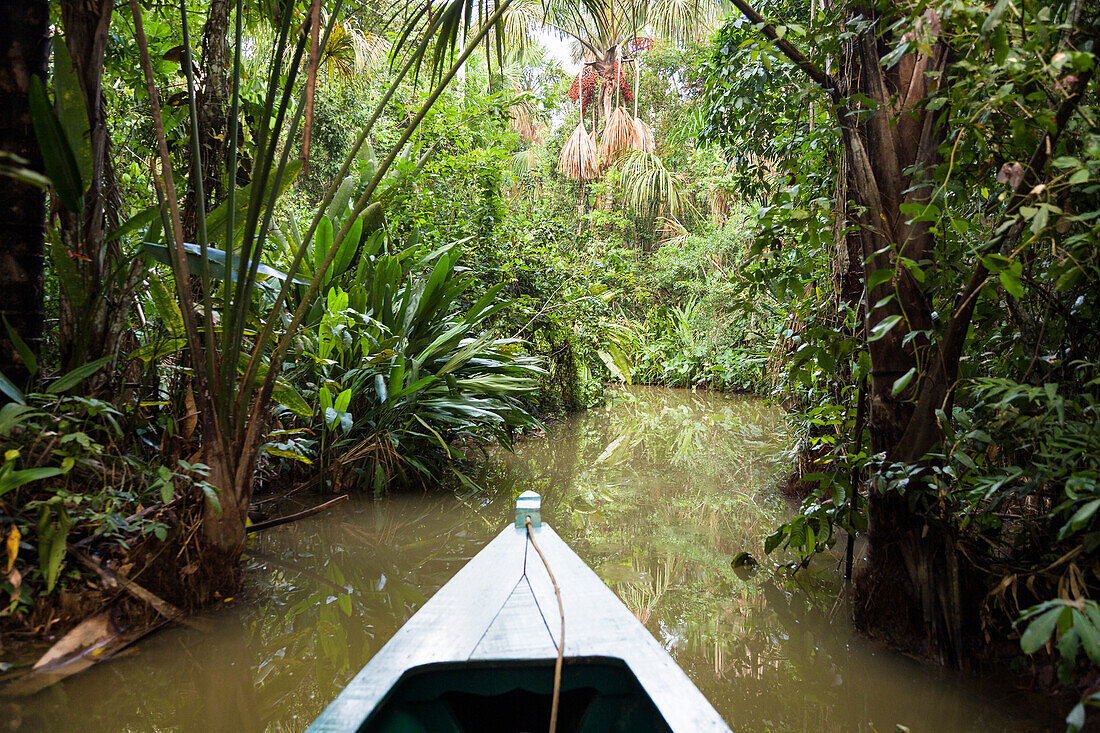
[657, 491]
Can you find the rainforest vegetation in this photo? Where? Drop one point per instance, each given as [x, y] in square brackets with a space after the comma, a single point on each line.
[253, 247]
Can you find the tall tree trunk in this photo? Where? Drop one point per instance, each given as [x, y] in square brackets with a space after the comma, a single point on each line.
[906, 590]
[94, 309]
[311, 79]
[212, 104]
[914, 588]
[24, 51]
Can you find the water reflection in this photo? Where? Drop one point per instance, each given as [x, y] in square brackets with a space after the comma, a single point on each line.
[656, 492]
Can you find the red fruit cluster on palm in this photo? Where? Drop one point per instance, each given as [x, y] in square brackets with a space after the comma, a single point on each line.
[619, 75]
[589, 81]
[641, 44]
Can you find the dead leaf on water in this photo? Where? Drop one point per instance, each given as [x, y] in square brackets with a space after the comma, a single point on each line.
[610, 449]
[90, 634]
[92, 640]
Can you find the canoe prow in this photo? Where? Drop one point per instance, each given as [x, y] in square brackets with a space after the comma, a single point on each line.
[480, 654]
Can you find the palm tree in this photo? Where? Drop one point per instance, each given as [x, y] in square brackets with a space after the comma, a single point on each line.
[604, 33]
[24, 50]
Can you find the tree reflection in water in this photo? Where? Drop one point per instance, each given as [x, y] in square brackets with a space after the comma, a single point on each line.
[657, 492]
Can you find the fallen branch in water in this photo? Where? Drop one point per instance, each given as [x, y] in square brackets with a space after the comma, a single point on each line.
[269, 523]
[117, 580]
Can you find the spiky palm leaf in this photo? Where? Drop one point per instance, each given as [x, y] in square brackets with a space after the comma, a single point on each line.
[649, 187]
[684, 21]
[525, 161]
[350, 51]
[522, 21]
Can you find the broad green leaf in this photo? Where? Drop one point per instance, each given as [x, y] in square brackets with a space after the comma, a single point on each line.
[14, 479]
[347, 250]
[903, 381]
[338, 207]
[167, 307]
[71, 112]
[13, 393]
[1090, 636]
[884, 327]
[21, 348]
[72, 284]
[878, 277]
[1084, 514]
[217, 259]
[76, 376]
[57, 156]
[167, 490]
[1075, 721]
[1012, 284]
[343, 400]
[290, 398]
[1039, 630]
[11, 415]
[322, 242]
[1041, 219]
[135, 222]
[289, 454]
[773, 540]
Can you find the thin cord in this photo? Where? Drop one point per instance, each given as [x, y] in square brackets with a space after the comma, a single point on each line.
[561, 639]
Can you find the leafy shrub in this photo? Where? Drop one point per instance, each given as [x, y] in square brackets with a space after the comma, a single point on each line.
[400, 367]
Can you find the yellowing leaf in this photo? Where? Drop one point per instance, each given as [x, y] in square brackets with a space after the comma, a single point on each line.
[12, 545]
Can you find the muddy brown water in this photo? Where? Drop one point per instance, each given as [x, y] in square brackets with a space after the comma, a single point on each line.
[657, 491]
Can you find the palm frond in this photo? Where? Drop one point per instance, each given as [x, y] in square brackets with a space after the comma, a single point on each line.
[433, 32]
[643, 137]
[648, 186]
[579, 159]
[683, 20]
[350, 51]
[525, 161]
[618, 134]
[521, 21]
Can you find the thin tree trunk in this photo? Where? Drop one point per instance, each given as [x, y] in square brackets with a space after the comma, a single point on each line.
[93, 313]
[212, 104]
[24, 51]
[311, 79]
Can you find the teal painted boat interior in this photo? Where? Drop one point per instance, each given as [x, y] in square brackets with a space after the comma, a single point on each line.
[597, 694]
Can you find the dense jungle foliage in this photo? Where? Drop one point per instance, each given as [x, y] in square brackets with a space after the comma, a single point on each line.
[254, 247]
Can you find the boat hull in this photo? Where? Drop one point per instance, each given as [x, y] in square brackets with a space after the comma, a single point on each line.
[485, 644]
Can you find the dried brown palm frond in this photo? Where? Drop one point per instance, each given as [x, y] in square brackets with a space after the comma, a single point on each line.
[522, 116]
[618, 135]
[579, 160]
[642, 139]
[671, 230]
[720, 200]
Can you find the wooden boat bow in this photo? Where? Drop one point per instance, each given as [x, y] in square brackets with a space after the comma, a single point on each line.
[500, 612]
